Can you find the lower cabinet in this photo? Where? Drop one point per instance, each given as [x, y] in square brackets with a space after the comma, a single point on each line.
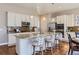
[11, 40]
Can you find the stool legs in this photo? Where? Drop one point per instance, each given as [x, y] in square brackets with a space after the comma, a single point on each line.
[45, 46]
[33, 50]
[41, 49]
[51, 48]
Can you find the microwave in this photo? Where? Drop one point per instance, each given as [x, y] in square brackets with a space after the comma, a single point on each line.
[25, 23]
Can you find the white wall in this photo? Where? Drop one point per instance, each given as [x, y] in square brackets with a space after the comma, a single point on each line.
[3, 19]
[43, 24]
[3, 27]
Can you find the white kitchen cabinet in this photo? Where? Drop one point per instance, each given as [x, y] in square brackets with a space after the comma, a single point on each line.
[23, 18]
[27, 17]
[70, 20]
[15, 19]
[11, 19]
[76, 20]
[11, 39]
[24, 46]
[36, 21]
[18, 19]
[32, 22]
[60, 19]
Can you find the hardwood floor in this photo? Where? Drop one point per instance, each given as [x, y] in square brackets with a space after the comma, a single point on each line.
[12, 50]
[4, 50]
[61, 50]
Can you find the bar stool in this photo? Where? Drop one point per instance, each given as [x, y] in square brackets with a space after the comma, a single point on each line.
[49, 40]
[37, 42]
[58, 38]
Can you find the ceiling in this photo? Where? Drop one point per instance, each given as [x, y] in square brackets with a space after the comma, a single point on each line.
[38, 8]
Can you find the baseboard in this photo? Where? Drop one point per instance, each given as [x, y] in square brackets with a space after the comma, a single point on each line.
[12, 44]
[3, 44]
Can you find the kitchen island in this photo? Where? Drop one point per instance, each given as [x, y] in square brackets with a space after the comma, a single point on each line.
[12, 37]
[24, 44]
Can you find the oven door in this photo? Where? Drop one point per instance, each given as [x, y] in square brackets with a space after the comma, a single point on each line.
[77, 34]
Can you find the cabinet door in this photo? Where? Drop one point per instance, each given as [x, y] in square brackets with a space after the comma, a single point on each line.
[23, 18]
[18, 19]
[11, 19]
[60, 19]
[27, 17]
[76, 19]
[32, 22]
[36, 21]
[12, 40]
[70, 20]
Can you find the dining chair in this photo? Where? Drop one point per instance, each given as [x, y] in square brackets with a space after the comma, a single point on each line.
[71, 46]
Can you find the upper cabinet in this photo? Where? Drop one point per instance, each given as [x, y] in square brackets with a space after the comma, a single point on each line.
[23, 18]
[60, 20]
[11, 19]
[18, 19]
[76, 20]
[36, 21]
[27, 18]
[70, 20]
[15, 19]
[32, 21]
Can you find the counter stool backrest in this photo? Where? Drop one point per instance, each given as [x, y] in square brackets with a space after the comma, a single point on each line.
[58, 36]
[38, 40]
[34, 40]
[48, 37]
[53, 37]
[41, 40]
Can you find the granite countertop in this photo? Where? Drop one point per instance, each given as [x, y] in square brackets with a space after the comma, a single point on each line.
[22, 36]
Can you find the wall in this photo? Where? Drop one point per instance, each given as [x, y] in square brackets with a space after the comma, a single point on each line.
[44, 19]
[43, 22]
[3, 27]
